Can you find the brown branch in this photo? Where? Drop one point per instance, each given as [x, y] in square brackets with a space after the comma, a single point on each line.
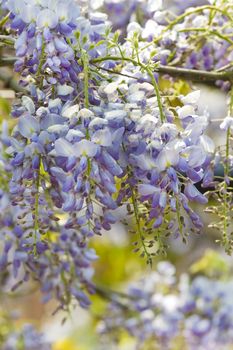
[188, 74]
[10, 82]
[196, 75]
[7, 61]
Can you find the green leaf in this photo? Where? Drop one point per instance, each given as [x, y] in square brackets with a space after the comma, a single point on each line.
[211, 264]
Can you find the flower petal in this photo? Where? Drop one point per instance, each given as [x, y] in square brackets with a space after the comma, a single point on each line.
[47, 18]
[28, 125]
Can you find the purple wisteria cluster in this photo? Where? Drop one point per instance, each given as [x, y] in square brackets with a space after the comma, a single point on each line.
[94, 132]
[26, 339]
[121, 13]
[200, 38]
[36, 244]
[50, 38]
[162, 309]
[163, 154]
[48, 215]
[23, 337]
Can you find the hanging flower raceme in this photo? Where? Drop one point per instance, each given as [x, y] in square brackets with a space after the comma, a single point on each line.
[85, 169]
[180, 41]
[29, 144]
[50, 38]
[37, 244]
[120, 13]
[44, 29]
[151, 311]
[64, 162]
[16, 336]
[59, 260]
[161, 309]
[44, 45]
[26, 339]
[162, 161]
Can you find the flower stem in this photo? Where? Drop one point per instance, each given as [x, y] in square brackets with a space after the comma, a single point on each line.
[36, 210]
[4, 20]
[154, 83]
[191, 12]
[138, 223]
[226, 208]
[86, 78]
[38, 74]
[207, 32]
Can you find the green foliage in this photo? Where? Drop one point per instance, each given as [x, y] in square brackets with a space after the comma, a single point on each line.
[5, 109]
[212, 264]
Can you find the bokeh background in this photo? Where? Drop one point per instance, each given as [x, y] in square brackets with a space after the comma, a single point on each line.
[118, 264]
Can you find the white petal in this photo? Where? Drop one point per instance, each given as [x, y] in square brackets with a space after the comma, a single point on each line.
[64, 90]
[185, 111]
[85, 113]
[154, 5]
[166, 158]
[85, 147]
[28, 104]
[191, 98]
[72, 133]
[95, 4]
[115, 114]
[196, 156]
[58, 128]
[227, 123]
[134, 27]
[102, 137]
[70, 111]
[207, 143]
[64, 148]
[47, 18]
[147, 189]
[148, 118]
[54, 103]
[111, 88]
[97, 121]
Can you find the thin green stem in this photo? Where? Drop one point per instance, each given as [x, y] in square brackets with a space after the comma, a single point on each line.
[7, 40]
[154, 82]
[85, 60]
[191, 12]
[225, 194]
[113, 58]
[66, 284]
[207, 31]
[36, 209]
[180, 225]
[186, 14]
[39, 70]
[138, 223]
[86, 78]
[226, 208]
[211, 16]
[4, 20]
